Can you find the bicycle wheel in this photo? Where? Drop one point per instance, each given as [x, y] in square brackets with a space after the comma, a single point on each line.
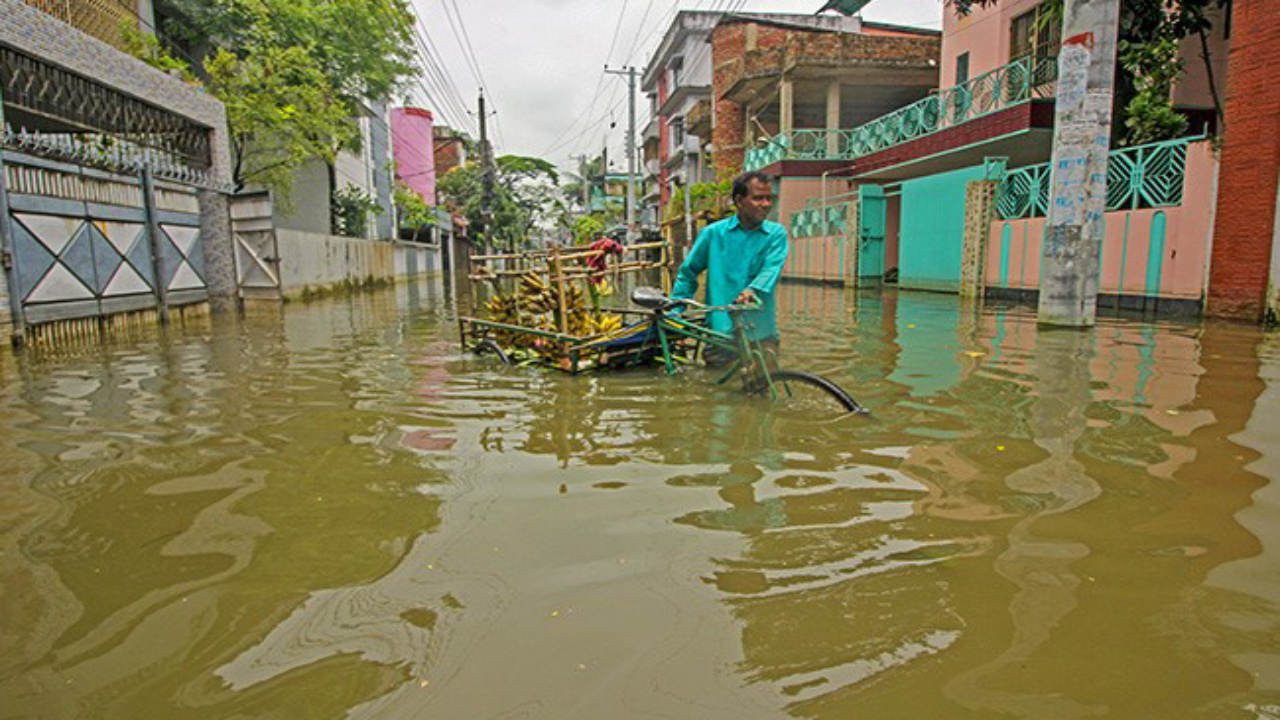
[804, 390]
[484, 345]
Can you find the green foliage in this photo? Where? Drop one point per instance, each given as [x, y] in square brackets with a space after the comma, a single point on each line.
[145, 47]
[292, 72]
[710, 199]
[280, 114]
[351, 207]
[1154, 66]
[587, 228]
[414, 211]
[525, 198]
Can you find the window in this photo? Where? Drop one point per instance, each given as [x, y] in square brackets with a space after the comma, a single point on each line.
[962, 69]
[1031, 33]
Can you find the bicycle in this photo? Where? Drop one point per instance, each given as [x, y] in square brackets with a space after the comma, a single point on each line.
[675, 337]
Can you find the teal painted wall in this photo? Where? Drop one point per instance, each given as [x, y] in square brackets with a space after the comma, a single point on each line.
[933, 230]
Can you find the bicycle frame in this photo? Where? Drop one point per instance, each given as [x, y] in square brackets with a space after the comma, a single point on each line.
[747, 353]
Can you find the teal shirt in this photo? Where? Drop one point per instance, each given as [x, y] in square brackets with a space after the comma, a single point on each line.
[736, 259]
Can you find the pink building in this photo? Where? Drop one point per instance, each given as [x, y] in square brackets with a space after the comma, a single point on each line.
[414, 151]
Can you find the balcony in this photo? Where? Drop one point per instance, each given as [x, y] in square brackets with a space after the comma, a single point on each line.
[1005, 87]
[698, 119]
[852, 58]
[99, 18]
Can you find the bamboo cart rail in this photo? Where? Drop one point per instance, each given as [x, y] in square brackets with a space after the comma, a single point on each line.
[544, 321]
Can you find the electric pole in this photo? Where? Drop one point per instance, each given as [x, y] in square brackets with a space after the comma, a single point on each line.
[486, 180]
[630, 72]
[582, 177]
[1071, 256]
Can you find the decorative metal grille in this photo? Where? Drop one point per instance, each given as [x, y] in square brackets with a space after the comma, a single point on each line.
[821, 220]
[47, 91]
[1143, 176]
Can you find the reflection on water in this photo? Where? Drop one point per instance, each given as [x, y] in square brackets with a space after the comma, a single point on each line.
[330, 511]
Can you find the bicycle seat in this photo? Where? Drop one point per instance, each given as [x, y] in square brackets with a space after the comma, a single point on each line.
[651, 298]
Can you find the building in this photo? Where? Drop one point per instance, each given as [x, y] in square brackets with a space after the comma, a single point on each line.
[413, 147]
[775, 80]
[450, 150]
[948, 193]
[676, 80]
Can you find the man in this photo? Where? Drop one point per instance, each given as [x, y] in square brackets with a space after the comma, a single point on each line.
[743, 257]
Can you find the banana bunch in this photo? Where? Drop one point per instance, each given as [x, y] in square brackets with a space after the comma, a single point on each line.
[604, 323]
[504, 309]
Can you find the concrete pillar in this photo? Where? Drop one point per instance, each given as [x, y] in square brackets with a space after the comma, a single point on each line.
[1071, 256]
[979, 212]
[786, 99]
[6, 318]
[833, 118]
[1273, 287]
[219, 250]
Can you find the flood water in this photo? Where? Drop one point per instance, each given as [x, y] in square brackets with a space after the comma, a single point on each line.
[330, 511]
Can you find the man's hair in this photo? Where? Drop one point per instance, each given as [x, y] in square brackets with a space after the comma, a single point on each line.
[742, 183]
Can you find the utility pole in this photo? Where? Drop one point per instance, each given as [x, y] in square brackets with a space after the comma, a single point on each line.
[1070, 258]
[486, 180]
[604, 176]
[631, 73]
[582, 176]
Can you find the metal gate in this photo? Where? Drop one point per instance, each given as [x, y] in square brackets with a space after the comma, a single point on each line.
[87, 242]
[257, 254]
[871, 231]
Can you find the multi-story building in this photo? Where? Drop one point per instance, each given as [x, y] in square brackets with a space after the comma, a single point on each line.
[724, 86]
[949, 193]
[676, 79]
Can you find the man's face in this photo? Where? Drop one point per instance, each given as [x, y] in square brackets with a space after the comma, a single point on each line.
[754, 207]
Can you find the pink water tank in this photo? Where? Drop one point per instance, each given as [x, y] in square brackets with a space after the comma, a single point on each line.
[414, 151]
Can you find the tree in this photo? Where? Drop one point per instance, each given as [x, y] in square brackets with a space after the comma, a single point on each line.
[586, 228]
[293, 72]
[526, 197]
[413, 211]
[280, 113]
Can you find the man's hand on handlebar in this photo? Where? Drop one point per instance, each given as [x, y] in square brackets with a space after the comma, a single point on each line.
[747, 297]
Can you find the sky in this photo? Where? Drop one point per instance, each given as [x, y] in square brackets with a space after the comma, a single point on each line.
[541, 63]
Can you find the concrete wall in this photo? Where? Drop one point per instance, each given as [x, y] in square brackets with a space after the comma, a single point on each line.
[311, 262]
[1192, 89]
[308, 209]
[1135, 261]
[932, 230]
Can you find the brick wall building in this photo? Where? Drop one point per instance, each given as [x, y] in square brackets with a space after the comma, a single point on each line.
[1241, 267]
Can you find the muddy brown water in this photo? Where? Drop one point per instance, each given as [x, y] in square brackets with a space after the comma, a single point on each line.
[330, 511]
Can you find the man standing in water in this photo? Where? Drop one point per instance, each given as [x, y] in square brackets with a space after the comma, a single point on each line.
[743, 256]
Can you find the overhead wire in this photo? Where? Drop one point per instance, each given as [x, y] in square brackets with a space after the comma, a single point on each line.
[463, 38]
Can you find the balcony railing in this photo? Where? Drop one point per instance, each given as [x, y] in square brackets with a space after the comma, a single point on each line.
[99, 18]
[1007, 86]
[1142, 176]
